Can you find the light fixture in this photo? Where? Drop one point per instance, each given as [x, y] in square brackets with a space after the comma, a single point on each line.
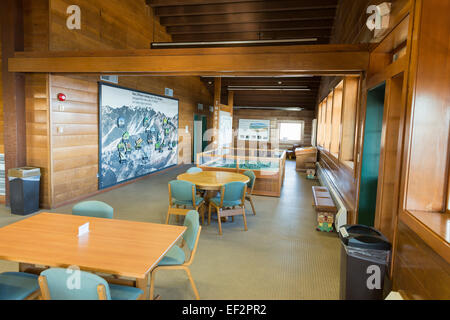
[269, 108]
[268, 88]
[156, 45]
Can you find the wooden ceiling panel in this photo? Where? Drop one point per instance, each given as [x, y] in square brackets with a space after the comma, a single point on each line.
[244, 7]
[297, 15]
[275, 98]
[253, 26]
[240, 20]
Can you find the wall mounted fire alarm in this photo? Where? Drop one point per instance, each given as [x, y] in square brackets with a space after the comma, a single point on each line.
[62, 97]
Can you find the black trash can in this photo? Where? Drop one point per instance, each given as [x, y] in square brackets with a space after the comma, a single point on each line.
[24, 190]
[365, 260]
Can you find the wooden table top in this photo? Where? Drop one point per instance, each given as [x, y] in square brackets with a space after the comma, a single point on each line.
[212, 180]
[119, 247]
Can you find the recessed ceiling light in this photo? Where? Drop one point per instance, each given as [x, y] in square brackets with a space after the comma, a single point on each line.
[279, 82]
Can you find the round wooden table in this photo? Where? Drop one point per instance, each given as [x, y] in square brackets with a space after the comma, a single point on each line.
[212, 180]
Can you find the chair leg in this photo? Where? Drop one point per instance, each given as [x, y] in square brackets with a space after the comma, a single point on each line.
[245, 219]
[152, 283]
[202, 210]
[219, 220]
[191, 280]
[209, 214]
[253, 206]
[168, 215]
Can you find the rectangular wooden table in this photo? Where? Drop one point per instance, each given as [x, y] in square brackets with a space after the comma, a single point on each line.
[117, 247]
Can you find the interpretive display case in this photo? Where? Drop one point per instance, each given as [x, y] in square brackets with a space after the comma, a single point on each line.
[268, 166]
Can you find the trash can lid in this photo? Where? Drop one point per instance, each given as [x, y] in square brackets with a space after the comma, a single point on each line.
[24, 172]
[364, 237]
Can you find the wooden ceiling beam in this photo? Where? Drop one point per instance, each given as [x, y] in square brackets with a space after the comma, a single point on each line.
[165, 3]
[249, 27]
[321, 59]
[295, 15]
[269, 35]
[244, 7]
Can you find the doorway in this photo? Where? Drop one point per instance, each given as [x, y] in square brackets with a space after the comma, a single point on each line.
[200, 126]
[371, 155]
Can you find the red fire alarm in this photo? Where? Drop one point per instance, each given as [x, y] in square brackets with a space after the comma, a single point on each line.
[61, 97]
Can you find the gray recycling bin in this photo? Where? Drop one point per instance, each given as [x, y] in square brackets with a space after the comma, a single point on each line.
[365, 260]
[24, 190]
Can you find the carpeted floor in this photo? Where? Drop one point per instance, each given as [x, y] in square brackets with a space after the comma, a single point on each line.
[281, 256]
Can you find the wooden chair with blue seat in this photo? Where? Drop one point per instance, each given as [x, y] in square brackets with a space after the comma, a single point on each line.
[194, 170]
[250, 186]
[54, 286]
[95, 209]
[18, 286]
[229, 203]
[184, 194]
[175, 258]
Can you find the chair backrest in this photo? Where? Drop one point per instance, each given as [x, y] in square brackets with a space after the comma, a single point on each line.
[233, 191]
[194, 170]
[95, 209]
[193, 224]
[192, 233]
[252, 178]
[66, 284]
[182, 190]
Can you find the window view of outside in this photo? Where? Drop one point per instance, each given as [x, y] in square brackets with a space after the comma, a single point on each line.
[290, 131]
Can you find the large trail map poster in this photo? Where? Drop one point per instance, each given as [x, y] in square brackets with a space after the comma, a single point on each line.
[138, 134]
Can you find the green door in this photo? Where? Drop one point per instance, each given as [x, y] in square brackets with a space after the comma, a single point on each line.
[371, 156]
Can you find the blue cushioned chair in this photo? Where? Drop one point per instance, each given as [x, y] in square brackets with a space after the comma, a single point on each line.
[95, 209]
[175, 258]
[230, 202]
[250, 186]
[194, 170]
[184, 194]
[18, 286]
[54, 286]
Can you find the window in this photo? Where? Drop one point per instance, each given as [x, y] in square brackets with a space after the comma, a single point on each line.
[336, 120]
[337, 115]
[291, 131]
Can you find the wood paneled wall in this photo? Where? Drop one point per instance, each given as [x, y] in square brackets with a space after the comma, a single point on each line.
[422, 254]
[112, 24]
[62, 138]
[74, 146]
[275, 116]
[37, 130]
[350, 28]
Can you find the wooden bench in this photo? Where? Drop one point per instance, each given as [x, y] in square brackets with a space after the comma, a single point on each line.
[323, 201]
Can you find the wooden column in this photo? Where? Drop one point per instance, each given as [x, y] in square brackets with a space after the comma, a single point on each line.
[216, 114]
[11, 18]
[231, 101]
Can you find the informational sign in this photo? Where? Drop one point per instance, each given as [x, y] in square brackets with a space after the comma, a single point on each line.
[138, 134]
[254, 130]
[225, 129]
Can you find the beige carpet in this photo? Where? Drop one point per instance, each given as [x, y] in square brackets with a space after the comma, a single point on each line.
[281, 256]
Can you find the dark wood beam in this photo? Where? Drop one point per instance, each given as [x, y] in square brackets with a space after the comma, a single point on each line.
[297, 15]
[269, 35]
[164, 3]
[12, 34]
[309, 59]
[244, 7]
[249, 27]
